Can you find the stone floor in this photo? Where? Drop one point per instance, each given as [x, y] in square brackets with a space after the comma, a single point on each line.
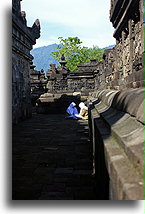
[52, 159]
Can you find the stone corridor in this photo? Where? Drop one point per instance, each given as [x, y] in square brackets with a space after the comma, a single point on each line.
[52, 159]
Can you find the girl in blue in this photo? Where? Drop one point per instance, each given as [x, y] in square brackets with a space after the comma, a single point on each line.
[72, 111]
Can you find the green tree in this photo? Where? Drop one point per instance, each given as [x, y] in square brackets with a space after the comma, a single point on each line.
[75, 53]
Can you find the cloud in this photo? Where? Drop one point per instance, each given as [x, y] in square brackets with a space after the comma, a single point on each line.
[86, 41]
[45, 42]
[74, 13]
[83, 18]
[98, 41]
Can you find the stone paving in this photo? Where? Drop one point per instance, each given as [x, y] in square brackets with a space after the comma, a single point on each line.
[52, 159]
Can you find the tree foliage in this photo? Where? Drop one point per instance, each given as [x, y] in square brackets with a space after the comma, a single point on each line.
[76, 53]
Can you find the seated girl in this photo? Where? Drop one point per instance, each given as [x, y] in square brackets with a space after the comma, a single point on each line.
[83, 112]
[72, 111]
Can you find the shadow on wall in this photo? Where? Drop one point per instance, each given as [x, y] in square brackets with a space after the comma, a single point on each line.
[116, 130]
[56, 103]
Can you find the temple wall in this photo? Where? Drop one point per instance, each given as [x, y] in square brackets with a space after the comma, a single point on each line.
[23, 39]
[116, 129]
[116, 107]
[127, 19]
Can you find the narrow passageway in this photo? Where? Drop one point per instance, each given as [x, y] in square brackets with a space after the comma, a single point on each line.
[52, 159]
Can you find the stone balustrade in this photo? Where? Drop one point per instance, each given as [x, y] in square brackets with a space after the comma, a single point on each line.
[116, 130]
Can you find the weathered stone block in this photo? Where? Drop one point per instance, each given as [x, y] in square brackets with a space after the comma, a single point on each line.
[114, 131]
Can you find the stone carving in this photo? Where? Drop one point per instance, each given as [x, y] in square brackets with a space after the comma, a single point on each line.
[23, 17]
[36, 29]
[23, 39]
[38, 83]
[128, 52]
[122, 66]
[57, 77]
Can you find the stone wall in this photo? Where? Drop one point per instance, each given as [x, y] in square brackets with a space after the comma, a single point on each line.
[38, 83]
[116, 130]
[127, 19]
[61, 80]
[116, 120]
[23, 38]
[84, 79]
[122, 66]
[57, 79]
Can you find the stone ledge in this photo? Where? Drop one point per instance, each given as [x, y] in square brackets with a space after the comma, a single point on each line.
[125, 129]
[117, 126]
[122, 173]
[129, 101]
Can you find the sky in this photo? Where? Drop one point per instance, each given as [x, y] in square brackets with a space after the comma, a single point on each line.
[86, 19]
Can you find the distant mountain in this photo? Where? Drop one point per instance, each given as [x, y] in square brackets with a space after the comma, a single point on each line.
[109, 47]
[42, 57]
